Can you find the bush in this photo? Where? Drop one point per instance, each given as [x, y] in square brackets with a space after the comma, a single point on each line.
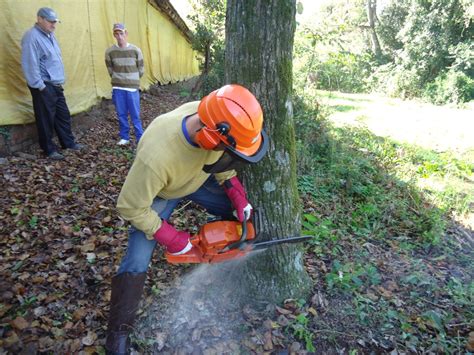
[430, 43]
[344, 72]
[450, 87]
[395, 81]
[215, 77]
[312, 134]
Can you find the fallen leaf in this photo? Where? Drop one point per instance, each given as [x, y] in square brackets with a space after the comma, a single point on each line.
[89, 350]
[295, 347]
[4, 308]
[58, 333]
[391, 285]
[283, 310]
[89, 339]
[20, 323]
[66, 230]
[38, 279]
[88, 247]
[313, 311]
[249, 344]
[268, 343]
[470, 342]
[268, 324]
[11, 339]
[90, 257]
[283, 321]
[215, 332]
[196, 335]
[45, 343]
[39, 311]
[160, 339]
[79, 314]
[208, 351]
[384, 292]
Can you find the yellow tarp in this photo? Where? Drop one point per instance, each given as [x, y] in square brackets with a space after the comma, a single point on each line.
[84, 34]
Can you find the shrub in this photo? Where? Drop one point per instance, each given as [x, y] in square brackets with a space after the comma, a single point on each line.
[450, 87]
[344, 71]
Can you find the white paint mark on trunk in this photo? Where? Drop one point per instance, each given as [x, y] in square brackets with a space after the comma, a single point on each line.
[282, 158]
[269, 186]
[289, 107]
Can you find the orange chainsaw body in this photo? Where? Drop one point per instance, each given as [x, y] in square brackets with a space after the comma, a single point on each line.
[209, 245]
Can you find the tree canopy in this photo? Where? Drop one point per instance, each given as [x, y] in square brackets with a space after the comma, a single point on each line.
[425, 48]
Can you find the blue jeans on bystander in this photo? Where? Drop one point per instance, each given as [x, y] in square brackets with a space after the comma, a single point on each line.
[128, 102]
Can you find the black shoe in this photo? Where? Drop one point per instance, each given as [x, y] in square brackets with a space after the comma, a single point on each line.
[55, 156]
[78, 147]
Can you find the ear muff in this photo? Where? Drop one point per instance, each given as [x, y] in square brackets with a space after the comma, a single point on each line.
[224, 128]
[207, 139]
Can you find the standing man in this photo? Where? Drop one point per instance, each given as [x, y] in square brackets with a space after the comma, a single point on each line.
[188, 153]
[44, 73]
[124, 62]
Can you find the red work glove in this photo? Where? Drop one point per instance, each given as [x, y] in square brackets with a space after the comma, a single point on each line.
[176, 242]
[236, 193]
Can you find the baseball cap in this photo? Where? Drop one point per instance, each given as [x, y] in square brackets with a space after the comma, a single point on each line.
[119, 27]
[48, 14]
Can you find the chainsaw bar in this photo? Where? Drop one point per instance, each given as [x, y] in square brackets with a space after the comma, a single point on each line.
[270, 243]
[252, 245]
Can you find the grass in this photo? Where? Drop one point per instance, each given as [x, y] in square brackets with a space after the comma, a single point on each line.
[380, 214]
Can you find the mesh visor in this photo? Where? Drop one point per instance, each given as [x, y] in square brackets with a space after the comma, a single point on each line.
[232, 159]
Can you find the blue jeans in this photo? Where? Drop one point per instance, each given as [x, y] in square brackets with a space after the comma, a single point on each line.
[128, 102]
[210, 195]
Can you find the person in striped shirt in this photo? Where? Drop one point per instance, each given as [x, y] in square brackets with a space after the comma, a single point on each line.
[125, 65]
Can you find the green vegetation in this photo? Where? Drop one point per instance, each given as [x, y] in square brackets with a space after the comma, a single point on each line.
[299, 328]
[380, 213]
[413, 49]
[208, 21]
[424, 48]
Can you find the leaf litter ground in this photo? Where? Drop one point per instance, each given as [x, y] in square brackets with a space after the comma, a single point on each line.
[62, 241]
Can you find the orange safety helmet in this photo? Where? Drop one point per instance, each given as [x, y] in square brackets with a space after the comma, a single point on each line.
[232, 115]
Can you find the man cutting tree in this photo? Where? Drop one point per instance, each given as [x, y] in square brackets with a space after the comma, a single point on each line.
[188, 153]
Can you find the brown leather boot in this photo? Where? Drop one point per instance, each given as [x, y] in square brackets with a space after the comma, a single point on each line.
[127, 290]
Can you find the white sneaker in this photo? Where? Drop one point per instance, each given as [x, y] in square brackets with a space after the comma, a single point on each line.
[123, 142]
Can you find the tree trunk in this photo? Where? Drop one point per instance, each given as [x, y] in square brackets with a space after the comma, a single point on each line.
[371, 14]
[259, 46]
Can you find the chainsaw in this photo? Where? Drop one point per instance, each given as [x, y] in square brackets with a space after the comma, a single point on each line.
[220, 241]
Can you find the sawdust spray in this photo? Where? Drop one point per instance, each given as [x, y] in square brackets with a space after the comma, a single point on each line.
[204, 314]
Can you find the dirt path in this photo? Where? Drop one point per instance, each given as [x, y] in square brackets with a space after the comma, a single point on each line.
[440, 128]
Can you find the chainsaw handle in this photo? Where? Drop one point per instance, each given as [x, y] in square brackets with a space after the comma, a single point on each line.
[239, 244]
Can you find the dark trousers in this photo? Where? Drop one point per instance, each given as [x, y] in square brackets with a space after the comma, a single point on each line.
[52, 115]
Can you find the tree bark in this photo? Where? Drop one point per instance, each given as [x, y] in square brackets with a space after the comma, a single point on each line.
[371, 14]
[259, 46]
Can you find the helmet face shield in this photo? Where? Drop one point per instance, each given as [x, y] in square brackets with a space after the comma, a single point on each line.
[233, 159]
[225, 163]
